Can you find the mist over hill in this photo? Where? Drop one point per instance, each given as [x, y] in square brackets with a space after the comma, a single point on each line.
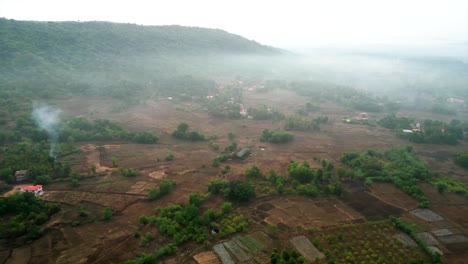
[52, 58]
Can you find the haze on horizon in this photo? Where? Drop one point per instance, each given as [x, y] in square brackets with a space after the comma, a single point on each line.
[293, 25]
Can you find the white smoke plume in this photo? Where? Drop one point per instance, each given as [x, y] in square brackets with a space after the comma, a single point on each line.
[47, 117]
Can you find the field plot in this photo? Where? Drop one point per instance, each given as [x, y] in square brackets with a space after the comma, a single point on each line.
[442, 232]
[207, 257]
[305, 247]
[117, 202]
[296, 211]
[390, 194]
[223, 254]
[452, 239]
[428, 238]
[427, 215]
[373, 241]
[236, 250]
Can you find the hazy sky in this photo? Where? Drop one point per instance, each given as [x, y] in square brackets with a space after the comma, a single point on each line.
[277, 23]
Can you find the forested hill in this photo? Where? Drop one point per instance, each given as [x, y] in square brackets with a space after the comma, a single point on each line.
[56, 59]
[113, 38]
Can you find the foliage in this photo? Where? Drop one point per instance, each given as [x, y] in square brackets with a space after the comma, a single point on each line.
[286, 257]
[301, 124]
[397, 165]
[182, 132]
[35, 159]
[165, 187]
[254, 172]
[461, 159]
[107, 214]
[239, 192]
[122, 61]
[184, 223]
[443, 184]
[265, 113]
[169, 157]
[80, 129]
[226, 104]
[128, 172]
[276, 137]
[432, 131]
[23, 213]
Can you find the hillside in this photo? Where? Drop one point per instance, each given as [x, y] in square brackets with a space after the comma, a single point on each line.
[63, 57]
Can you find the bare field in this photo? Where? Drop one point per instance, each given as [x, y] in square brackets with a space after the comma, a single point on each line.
[104, 242]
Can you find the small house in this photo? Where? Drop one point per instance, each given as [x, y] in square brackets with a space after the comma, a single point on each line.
[243, 153]
[36, 189]
[407, 131]
[21, 175]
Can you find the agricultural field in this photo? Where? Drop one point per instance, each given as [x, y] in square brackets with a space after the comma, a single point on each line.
[352, 227]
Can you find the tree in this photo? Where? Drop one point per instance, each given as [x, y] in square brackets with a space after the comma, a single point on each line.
[107, 214]
[240, 192]
[114, 161]
[93, 168]
[226, 208]
[461, 159]
[254, 172]
[196, 199]
[441, 187]
[231, 136]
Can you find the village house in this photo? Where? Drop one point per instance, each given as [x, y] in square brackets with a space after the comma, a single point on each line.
[36, 189]
[21, 175]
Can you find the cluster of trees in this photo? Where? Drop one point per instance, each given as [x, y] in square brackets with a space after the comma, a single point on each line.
[397, 165]
[394, 122]
[123, 61]
[184, 223]
[35, 159]
[276, 136]
[433, 131]
[286, 257]
[235, 191]
[165, 187]
[301, 124]
[226, 104]
[182, 132]
[313, 182]
[303, 179]
[265, 113]
[309, 107]
[128, 172]
[461, 159]
[366, 104]
[80, 129]
[23, 213]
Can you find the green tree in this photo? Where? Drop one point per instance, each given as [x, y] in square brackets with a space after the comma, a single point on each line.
[107, 214]
[240, 192]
